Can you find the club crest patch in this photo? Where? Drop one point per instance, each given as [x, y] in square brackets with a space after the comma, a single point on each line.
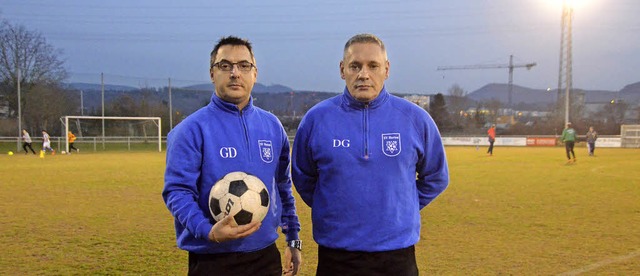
[391, 144]
[266, 150]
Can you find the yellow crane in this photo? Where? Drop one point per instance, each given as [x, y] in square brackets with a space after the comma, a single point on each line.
[494, 66]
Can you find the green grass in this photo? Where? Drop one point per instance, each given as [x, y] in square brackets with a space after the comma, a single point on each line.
[521, 212]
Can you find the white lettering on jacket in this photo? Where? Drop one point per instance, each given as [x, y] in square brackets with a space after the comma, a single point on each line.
[228, 152]
[344, 143]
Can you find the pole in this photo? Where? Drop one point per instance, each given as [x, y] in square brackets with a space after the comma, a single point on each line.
[170, 107]
[569, 65]
[510, 84]
[102, 84]
[19, 112]
[81, 103]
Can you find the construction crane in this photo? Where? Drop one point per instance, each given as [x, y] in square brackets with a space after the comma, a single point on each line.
[494, 66]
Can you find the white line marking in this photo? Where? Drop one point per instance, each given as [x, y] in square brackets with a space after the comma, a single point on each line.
[601, 264]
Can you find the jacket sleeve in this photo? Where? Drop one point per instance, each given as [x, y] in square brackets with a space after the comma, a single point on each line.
[184, 158]
[432, 167]
[289, 220]
[304, 171]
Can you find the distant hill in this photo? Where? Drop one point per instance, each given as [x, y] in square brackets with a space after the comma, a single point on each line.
[285, 100]
[631, 93]
[258, 88]
[93, 86]
[500, 92]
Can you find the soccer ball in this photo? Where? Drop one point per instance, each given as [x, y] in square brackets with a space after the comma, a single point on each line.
[240, 195]
[10, 153]
[64, 152]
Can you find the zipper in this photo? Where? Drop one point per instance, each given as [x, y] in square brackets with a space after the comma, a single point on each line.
[365, 113]
[246, 135]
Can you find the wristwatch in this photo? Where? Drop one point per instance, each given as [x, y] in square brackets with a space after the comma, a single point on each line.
[297, 244]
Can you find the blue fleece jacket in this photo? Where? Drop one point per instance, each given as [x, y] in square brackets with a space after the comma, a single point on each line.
[216, 140]
[367, 170]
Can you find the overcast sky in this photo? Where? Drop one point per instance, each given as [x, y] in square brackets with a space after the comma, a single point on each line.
[299, 43]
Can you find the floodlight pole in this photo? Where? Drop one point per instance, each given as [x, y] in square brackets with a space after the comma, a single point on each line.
[566, 58]
[19, 112]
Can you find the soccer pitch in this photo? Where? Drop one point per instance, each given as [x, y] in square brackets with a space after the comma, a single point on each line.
[520, 212]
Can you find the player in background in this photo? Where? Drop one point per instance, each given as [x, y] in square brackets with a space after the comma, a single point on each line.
[26, 142]
[492, 138]
[231, 134]
[46, 143]
[72, 139]
[367, 162]
[592, 136]
[569, 139]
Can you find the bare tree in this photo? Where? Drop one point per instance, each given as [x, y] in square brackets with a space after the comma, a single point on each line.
[45, 104]
[39, 63]
[456, 104]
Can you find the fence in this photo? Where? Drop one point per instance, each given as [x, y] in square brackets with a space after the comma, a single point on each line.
[94, 144]
[150, 143]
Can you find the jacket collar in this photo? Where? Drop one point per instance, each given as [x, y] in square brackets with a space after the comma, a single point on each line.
[218, 103]
[351, 102]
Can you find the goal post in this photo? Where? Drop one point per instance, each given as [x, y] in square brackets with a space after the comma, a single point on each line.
[156, 120]
[630, 136]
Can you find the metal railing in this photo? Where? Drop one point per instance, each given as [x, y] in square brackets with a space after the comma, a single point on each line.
[93, 143]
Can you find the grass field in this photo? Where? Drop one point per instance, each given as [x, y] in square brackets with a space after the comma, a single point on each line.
[520, 212]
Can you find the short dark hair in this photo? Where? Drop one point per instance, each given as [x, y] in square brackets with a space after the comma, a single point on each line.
[364, 38]
[230, 40]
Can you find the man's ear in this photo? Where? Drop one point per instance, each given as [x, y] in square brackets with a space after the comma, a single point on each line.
[211, 75]
[341, 70]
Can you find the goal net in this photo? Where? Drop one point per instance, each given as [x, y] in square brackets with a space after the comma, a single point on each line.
[630, 136]
[113, 133]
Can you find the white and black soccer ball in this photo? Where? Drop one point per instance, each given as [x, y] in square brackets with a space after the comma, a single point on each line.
[240, 195]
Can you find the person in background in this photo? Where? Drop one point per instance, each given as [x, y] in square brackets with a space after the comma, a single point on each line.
[569, 139]
[46, 143]
[26, 142]
[592, 136]
[492, 138]
[231, 134]
[367, 162]
[72, 139]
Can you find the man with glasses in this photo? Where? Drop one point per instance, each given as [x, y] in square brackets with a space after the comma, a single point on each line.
[231, 134]
[367, 162]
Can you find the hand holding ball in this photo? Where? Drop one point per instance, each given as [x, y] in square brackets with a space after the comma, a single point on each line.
[240, 195]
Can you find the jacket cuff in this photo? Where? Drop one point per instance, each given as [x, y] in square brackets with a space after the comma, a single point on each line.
[292, 236]
[203, 230]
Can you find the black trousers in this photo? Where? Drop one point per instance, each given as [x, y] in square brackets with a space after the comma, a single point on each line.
[592, 147]
[401, 262]
[71, 147]
[27, 145]
[490, 150]
[262, 262]
[568, 146]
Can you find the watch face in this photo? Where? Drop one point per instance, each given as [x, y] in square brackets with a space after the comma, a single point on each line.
[295, 244]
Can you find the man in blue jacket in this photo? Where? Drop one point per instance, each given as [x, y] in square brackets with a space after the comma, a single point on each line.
[231, 134]
[367, 162]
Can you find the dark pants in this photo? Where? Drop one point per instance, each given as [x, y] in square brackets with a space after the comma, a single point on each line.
[71, 147]
[27, 145]
[568, 146]
[401, 262]
[490, 150]
[592, 147]
[262, 262]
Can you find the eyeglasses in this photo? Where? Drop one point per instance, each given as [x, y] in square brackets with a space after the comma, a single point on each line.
[227, 66]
